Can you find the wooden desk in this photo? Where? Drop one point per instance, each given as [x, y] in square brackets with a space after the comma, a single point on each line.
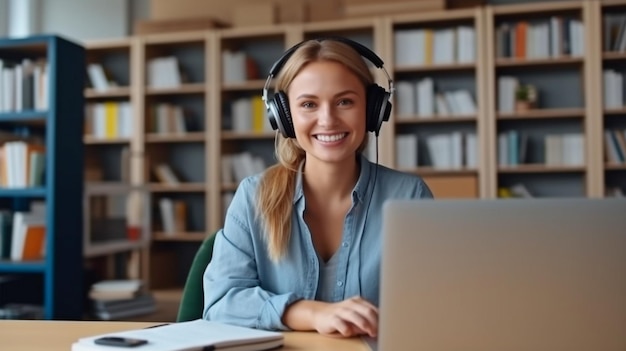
[59, 336]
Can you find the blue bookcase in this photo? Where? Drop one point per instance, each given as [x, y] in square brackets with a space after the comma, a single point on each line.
[60, 125]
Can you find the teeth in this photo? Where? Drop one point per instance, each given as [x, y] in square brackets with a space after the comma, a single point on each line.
[330, 138]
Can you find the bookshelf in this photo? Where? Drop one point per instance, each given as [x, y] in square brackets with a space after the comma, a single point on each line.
[611, 58]
[570, 101]
[438, 67]
[57, 120]
[543, 148]
[117, 226]
[185, 149]
[245, 57]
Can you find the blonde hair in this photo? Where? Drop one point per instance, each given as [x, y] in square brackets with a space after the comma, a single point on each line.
[275, 193]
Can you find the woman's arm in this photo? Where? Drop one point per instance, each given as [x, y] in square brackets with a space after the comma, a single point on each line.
[232, 288]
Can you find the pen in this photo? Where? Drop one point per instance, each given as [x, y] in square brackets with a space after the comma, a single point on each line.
[157, 325]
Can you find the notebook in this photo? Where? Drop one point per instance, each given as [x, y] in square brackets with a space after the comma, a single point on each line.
[192, 335]
[515, 275]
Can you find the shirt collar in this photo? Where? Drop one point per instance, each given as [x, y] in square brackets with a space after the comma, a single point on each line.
[360, 189]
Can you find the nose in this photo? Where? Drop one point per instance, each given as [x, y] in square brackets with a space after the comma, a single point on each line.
[326, 117]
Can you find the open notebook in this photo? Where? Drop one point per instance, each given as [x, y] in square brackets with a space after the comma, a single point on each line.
[193, 335]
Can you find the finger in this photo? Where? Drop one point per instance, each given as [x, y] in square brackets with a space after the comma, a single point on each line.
[361, 323]
[343, 327]
[365, 311]
[363, 304]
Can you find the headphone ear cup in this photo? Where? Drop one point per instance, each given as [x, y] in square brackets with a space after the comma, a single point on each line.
[283, 115]
[378, 108]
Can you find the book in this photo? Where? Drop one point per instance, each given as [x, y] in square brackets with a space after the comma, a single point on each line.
[197, 334]
[28, 236]
[113, 295]
[116, 289]
[165, 174]
[117, 285]
[123, 308]
[143, 299]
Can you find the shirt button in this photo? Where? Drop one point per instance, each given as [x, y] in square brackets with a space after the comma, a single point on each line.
[339, 283]
[344, 244]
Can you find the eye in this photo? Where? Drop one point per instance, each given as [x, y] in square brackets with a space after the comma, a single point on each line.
[345, 102]
[308, 104]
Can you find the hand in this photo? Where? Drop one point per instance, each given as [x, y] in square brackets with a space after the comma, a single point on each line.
[351, 317]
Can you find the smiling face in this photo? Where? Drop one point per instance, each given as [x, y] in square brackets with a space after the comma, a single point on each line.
[327, 104]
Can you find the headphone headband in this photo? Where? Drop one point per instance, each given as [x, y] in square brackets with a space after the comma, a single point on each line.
[360, 48]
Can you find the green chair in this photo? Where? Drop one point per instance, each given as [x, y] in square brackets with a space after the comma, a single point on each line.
[192, 300]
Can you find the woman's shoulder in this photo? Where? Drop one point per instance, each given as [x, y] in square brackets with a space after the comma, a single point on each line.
[251, 181]
[247, 188]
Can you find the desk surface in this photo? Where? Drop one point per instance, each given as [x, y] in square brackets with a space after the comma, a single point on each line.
[59, 336]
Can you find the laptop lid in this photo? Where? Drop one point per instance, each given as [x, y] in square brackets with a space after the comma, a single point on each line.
[490, 275]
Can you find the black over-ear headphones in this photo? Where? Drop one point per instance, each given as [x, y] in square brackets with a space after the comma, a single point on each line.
[378, 99]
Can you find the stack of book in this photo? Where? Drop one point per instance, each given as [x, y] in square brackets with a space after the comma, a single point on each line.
[120, 299]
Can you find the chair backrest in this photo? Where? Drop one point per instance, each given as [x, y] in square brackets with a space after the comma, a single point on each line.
[192, 300]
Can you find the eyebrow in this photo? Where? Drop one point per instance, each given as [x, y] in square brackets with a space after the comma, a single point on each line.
[311, 96]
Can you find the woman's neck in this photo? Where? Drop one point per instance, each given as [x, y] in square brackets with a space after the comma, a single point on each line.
[330, 180]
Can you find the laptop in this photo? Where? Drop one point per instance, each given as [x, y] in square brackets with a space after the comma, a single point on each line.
[492, 275]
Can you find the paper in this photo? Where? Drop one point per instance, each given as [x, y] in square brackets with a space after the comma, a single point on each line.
[193, 335]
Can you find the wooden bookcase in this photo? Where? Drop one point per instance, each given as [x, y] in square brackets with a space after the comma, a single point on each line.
[237, 86]
[448, 72]
[563, 108]
[58, 278]
[570, 101]
[612, 174]
[189, 154]
[113, 153]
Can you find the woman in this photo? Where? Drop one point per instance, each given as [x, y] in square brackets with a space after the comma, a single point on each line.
[300, 247]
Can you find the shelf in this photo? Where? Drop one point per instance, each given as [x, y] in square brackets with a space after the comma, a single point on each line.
[615, 111]
[615, 167]
[23, 192]
[23, 116]
[257, 84]
[540, 113]
[435, 68]
[230, 135]
[22, 267]
[178, 188]
[527, 9]
[119, 92]
[229, 187]
[434, 119]
[529, 62]
[431, 171]
[175, 138]
[183, 89]
[614, 55]
[539, 168]
[108, 188]
[91, 140]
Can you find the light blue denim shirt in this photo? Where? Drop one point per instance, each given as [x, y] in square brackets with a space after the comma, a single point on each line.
[243, 286]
